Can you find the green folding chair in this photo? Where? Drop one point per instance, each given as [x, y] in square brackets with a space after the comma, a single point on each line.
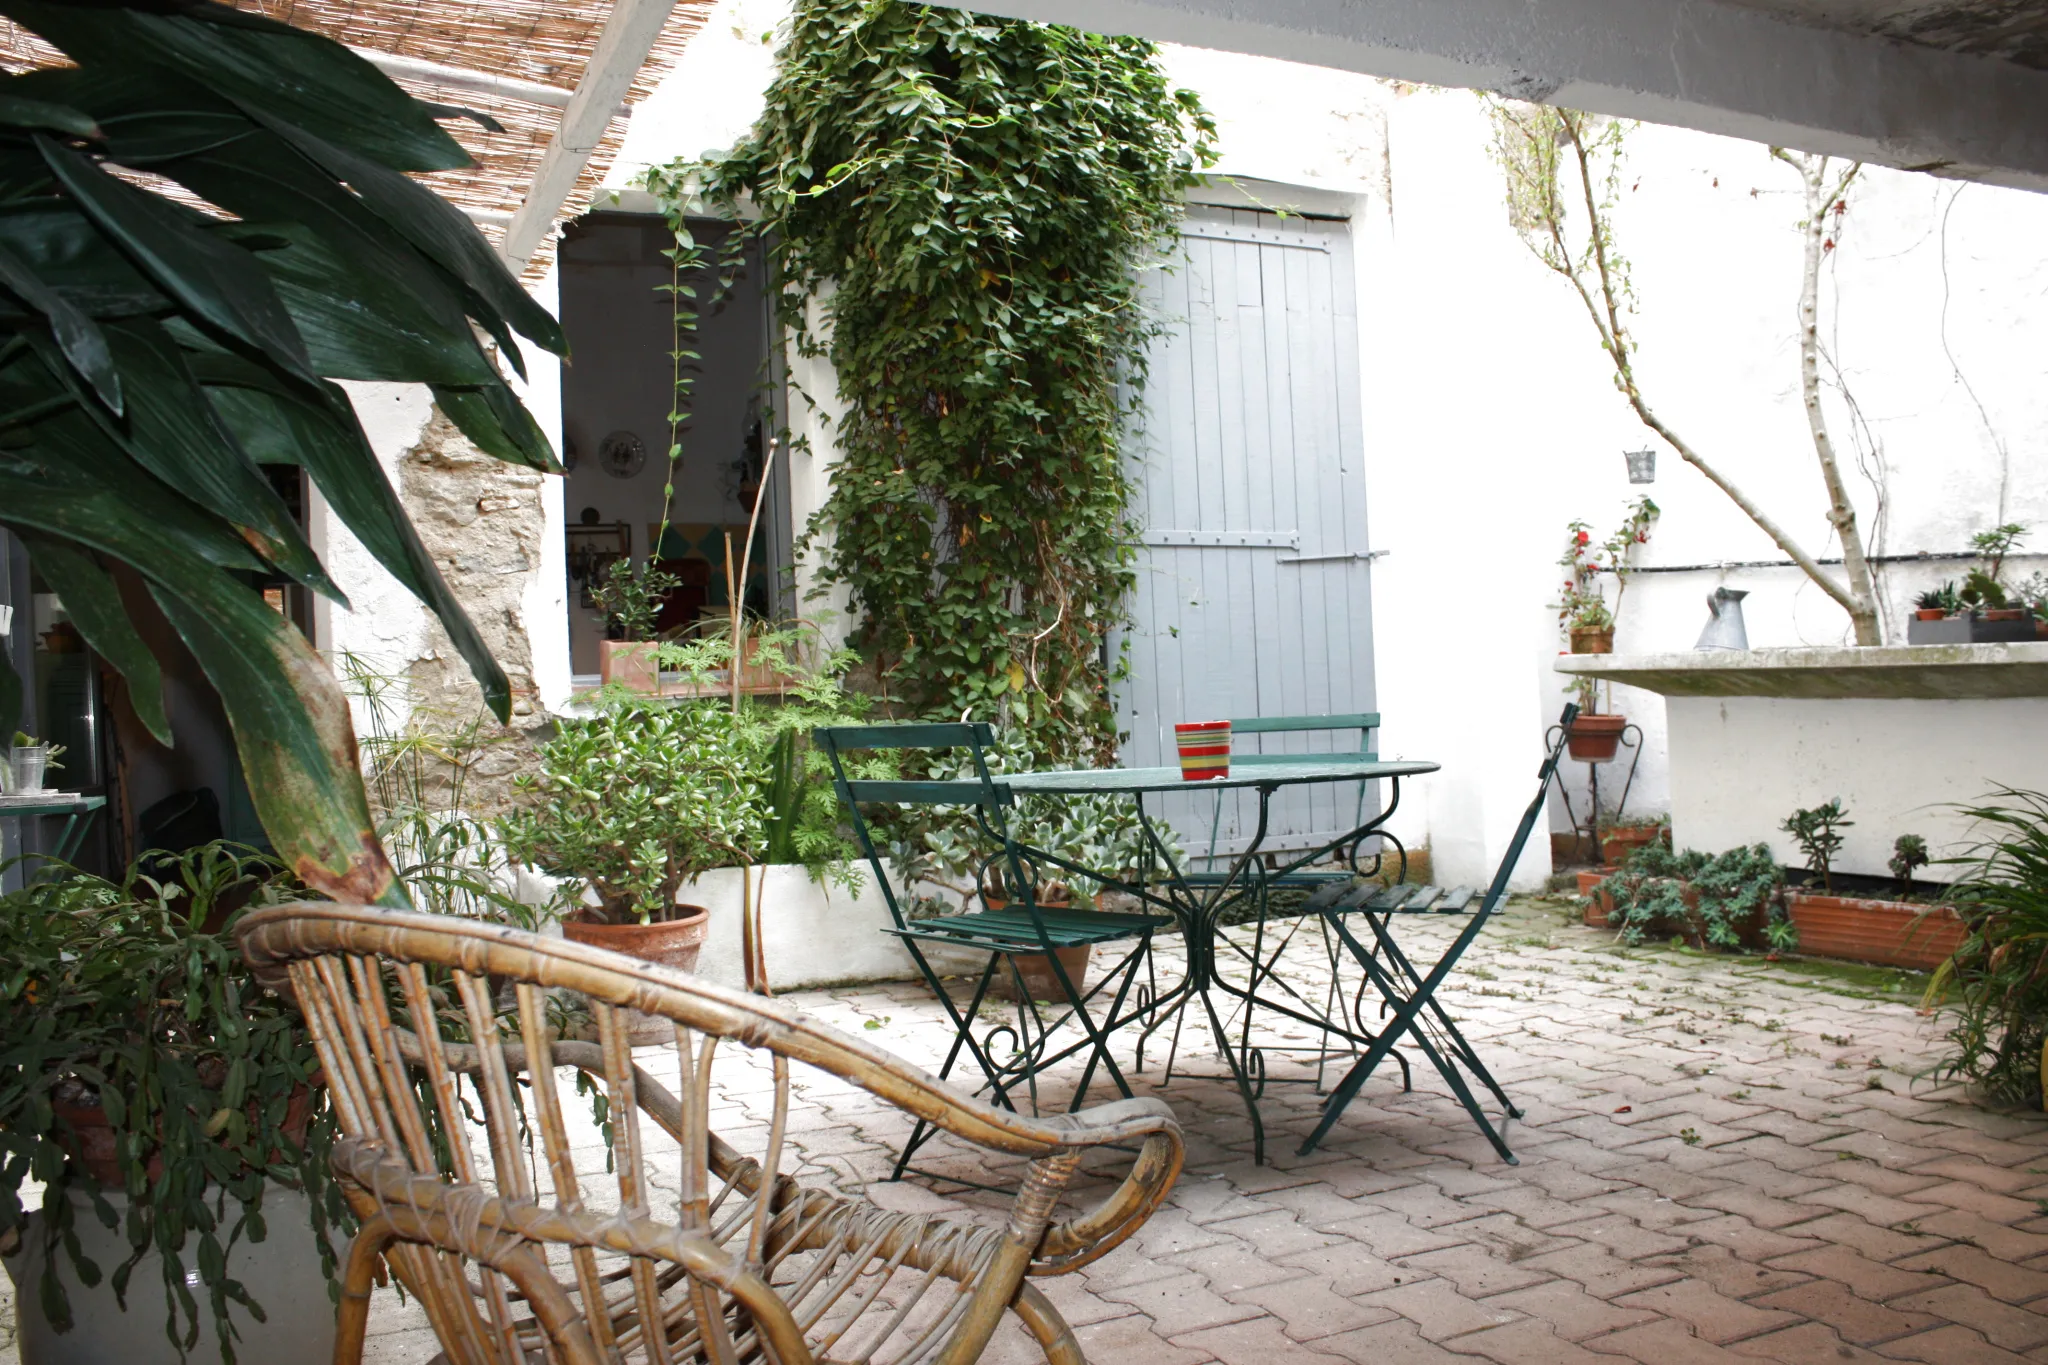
[1022, 927]
[1310, 878]
[1409, 994]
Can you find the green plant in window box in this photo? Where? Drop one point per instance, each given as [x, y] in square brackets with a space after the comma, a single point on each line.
[1710, 899]
[140, 1052]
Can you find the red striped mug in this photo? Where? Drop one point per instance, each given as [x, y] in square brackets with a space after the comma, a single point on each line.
[1204, 749]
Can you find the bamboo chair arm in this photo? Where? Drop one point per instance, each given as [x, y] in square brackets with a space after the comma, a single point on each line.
[1079, 1240]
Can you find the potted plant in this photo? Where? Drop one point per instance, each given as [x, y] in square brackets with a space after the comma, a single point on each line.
[631, 804]
[1993, 989]
[1937, 604]
[170, 1109]
[1725, 900]
[1617, 841]
[29, 762]
[630, 596]
[1984, 610]
[949, 851]
[1887, 930]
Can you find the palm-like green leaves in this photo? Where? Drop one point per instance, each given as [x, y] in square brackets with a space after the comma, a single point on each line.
[153, 355]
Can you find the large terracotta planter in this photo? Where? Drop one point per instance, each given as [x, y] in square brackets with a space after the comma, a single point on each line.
[1884, 933]
[1594, 738]
[670, 943]
[630, 663]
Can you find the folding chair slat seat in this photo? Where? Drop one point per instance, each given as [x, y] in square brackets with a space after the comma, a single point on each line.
[1021, 928]
[1303, 878]
[1411, 993]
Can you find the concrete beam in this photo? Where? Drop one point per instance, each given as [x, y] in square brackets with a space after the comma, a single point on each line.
[1703, 64]
[629, 34]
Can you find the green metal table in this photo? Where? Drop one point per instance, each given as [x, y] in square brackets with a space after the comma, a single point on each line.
[1199, 909]
[77, 808]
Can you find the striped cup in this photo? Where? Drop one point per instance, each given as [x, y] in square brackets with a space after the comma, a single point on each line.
[1204, 749]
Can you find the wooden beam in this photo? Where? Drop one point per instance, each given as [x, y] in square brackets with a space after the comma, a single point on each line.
[628, 37]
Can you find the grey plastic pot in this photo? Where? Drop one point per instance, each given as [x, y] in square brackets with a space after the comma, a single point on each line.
[282, 1272]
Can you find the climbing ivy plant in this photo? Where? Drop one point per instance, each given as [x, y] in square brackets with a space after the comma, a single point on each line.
[970, 201]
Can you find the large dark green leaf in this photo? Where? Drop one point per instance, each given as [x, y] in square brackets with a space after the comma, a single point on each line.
[362, 318]
[492, 416]
[17, 111]
[437, 228]
[299, 76]
[65, 251]
[172, 431]
[219, 282]
[277, 423]
[94, 604]
[83, 344]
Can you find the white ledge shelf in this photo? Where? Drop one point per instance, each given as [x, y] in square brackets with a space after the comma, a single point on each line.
[1938, 672]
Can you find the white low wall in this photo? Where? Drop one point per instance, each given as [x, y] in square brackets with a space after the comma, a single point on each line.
[812, 934]
[1740, 765]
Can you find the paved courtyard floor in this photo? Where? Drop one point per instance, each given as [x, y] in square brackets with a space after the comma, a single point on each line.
[1723, 1160]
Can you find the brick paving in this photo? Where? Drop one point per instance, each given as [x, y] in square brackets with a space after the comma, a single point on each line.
[1723, 1160]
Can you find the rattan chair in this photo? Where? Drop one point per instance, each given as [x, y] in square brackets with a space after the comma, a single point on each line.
[676, 1256]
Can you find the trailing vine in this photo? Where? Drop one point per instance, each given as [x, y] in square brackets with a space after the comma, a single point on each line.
[971, 201]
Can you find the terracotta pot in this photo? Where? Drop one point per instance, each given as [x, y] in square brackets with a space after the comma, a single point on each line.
[630, 663]
[1594, 738]
[1884, 933]
[670, 943]
[2006, 614]
[1036, 968]
[1930, 614]
[90, 1145]
[1599, 904]
[1587, 640]
[1618, 841]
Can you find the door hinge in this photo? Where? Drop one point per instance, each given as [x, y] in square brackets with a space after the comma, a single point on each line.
[1366, 555]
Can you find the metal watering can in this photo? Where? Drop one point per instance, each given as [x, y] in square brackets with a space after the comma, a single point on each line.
[1724, 626]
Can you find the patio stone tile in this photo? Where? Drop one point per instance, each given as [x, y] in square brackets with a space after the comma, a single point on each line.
[1569, 1310]
[1950, 1346]
[1308, 1309]
[1810, 1343]
[1759, 1206]
[1390, 1343]
[1438, 1310]
[1728, 1273]
[1857, 1319]
[1623, 1236]
[2014, 1328]
[1477, 1270]
[1878, 1243]
[1348, 1269]
[1872, 1279]
[1969, 1197]
[1275, 1233]
[2021, 1243]
[1133, 1339]
[2000, 1279]
[1179, 1303]
[1259, 1341]
[1712, 1315]
[1601, 1273]
[2006, 1180]
[1664, 1342]
[1388, 1234]
[1528, 1342]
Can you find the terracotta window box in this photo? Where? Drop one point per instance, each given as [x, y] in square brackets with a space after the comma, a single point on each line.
[1882, 933]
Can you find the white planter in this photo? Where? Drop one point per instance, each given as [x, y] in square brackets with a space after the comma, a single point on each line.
[812, 934]
[282, 1273]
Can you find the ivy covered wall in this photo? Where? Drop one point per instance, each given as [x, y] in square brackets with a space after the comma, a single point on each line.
[973, 199]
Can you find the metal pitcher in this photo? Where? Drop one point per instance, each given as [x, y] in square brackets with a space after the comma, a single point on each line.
[1724, 626]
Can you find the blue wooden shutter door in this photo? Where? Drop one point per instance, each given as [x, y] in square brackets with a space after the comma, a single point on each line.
[1254, 590]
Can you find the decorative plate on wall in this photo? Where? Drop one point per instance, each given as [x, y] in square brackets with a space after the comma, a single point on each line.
[621, 455]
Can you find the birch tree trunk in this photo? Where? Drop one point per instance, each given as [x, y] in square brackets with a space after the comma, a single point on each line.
[1822, 199]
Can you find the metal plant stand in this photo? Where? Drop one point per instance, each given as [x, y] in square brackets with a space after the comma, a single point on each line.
[1588, 830]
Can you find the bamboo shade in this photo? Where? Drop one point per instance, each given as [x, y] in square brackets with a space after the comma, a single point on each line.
[545, 41]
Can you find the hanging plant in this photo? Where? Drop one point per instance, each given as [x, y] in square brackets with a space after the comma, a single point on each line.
[971, 201]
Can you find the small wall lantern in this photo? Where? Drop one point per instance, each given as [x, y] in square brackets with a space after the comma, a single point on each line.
[1642, 465]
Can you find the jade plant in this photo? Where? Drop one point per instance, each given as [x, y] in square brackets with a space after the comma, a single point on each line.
[637, 800]
[1818, 832]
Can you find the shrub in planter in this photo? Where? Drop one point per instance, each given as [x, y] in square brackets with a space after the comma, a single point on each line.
[630, 596]
[1717, 900]
[142, 1059]
[634, 802]
[1618, 841]
[1993, 990]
